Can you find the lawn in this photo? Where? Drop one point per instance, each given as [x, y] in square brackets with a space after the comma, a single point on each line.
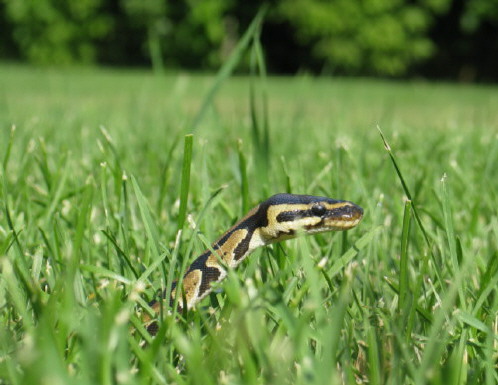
[99, 172]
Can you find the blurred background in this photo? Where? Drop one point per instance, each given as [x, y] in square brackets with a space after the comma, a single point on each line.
[453, 40]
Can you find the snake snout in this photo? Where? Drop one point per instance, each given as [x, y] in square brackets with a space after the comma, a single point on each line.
[347, 216]
[353, 211]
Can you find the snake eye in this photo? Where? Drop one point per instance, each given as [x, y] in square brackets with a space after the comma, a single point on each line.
[318, 209]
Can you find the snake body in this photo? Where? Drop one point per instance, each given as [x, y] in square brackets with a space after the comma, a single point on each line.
[280, 217]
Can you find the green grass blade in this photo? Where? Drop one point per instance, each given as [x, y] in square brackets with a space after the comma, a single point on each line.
[489, 360]
[395, 164]
[450, 236]
[41, 160]
[103, 272]
[103, 189]
[285, 170]
[61, 185]
[20, 265]
[488, 282]
[165, 174]
[438, 334]
[374, 361]
[332, 334]
[410, 197]
[185, 180]
[153, 266]
[36, 267]
[359, 245]
[6, 157]
[403, 263]
[260, 127]
[228, 67]
[121, 254]
[150, 227]
[423, 312]
[153, 373]
[244, 182]
[83, 219]
[17, 291]
[109, 143]
[475, 323]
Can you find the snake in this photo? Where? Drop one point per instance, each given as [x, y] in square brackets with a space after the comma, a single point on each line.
[280, 217]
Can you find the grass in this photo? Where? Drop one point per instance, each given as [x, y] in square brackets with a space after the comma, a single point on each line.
[100, 174]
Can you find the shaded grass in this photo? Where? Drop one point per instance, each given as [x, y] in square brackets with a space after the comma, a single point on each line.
[90, 219]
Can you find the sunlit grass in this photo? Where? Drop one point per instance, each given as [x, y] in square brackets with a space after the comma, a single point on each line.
[93, 192]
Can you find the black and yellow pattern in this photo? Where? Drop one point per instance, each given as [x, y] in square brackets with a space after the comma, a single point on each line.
[281, 217]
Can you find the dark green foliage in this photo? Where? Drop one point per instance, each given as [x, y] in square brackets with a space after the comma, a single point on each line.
[189, 33]
[477, 13]
[443, 38]
[57, 31]
[150, 16]
[378, 37]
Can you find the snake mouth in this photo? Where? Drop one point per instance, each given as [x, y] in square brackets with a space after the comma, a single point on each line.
[344, 217]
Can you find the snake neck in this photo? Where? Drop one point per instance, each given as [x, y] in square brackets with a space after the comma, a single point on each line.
[211, 266]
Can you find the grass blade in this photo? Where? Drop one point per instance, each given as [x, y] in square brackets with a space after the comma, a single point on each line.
[17, 294]
[165, 173]
[450, 236]
[260, 128]
[403, 263]
[228, 67]
[150, 227]
[360, 244]
[439, 332]
[332, 334]
[374, 357]
[83, 219]
[62, 180]
[185, 181]
[9, 149]
[121, 254]
[103, 272]
[423, 312]
[244, 182]
[410, 197]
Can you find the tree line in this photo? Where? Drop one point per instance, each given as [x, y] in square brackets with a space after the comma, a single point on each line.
[445, 39]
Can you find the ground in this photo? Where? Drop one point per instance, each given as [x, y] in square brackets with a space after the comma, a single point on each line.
[94, 188]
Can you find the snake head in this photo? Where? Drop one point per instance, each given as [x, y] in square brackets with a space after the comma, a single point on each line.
[288, 215]
[339, 215]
